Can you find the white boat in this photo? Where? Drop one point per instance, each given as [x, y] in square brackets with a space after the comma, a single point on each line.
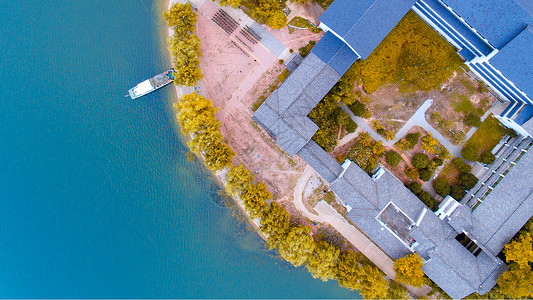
[152, 84]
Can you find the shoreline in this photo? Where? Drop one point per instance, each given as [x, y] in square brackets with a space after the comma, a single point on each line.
[218, 177]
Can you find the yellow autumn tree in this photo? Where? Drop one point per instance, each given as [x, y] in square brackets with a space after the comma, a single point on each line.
[408, 270]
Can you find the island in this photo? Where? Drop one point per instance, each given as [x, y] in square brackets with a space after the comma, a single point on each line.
[383, 144]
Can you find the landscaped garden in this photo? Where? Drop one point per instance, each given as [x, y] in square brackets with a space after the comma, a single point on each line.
[486, 137]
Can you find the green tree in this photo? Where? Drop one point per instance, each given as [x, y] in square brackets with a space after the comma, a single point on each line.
[238, 179]
[425, 174]
[469, 153]
[437, 162]
[420, 161]
[461, 165]
[468, 180]
[457, 192]
[393, 158]
[408, 270]
[472, 120]
[415, 187]
[412, 138]
[357, 108]
[323, 261]
[181, 18]
[487, 157]
[426, 198]
[275, 223]
[255, 200]
[441, 186]
[296, 246]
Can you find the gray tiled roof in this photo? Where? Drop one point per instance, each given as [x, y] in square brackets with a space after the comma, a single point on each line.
[320, 161]
[507, 208]
[284, 113]
[445, 277]
[407, 224]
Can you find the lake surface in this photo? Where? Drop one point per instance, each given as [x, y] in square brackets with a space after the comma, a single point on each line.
[98, 199]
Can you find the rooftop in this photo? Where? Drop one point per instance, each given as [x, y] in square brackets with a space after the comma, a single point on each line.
[499, 21]
[363, 24]
[515, 60]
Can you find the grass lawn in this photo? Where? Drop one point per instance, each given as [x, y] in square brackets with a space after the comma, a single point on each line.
[324, 3]
[273, 86]
[489, 133]
[464, 105]
[303, 23]
[450, 174]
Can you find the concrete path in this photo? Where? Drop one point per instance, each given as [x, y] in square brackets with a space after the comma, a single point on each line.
[298, 195]
[418, 119]
[363, 244]
[349, 137]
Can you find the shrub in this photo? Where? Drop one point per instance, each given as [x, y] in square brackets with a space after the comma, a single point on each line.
[457, 192]
[472, 120]
[415, 187]
[420, 161]
[413, 138]
[357, 108]
[487, 157]
[468, 180]
[412, 173]
[461, 165]
[380, 131]
[350, 125]
[437, 162]
[425, 174]
[469, 153]
[510, 132]
[426, 198]
[441, 187]
[393, 158]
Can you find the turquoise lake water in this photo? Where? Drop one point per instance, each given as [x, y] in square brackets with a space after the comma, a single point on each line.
[98, 199]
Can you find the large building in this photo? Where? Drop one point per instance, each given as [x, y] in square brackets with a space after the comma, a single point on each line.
[460, 242]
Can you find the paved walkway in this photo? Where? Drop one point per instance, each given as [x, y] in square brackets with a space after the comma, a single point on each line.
[418, 119]
[363, 244]
[298, 195]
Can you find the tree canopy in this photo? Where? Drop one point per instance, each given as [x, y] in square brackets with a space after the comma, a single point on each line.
[297, 245]
[323, 260]
[408, 270]
[275, 223]
[183, 45]
[413, 53]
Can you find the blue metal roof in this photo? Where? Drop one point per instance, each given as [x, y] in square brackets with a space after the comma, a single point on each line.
[515, 61]
[363, 24]
[499, 21]
[341, 15]
[335, 53]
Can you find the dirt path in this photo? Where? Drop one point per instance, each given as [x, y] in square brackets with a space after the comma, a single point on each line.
[361, 242]
[298, 195]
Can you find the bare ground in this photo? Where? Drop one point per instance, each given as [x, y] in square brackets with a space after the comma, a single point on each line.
[234, 92]
[392, 108]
